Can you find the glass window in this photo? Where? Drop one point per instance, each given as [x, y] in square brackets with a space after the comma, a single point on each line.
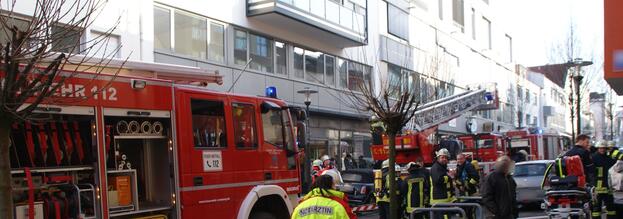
[261, 53]
[341, 68]
[240, 47]
[355, 76]
[314, 66]
[190, 35]
[394, 82]
[458, 12]
[245, 134]
[280, 57]
[208, 119]
[162, 29]
[485, 143]
[66, 39]
[298, 62]
[329, 70]
[397, 22]
[274, 128]
[216, 43]
[530, 170]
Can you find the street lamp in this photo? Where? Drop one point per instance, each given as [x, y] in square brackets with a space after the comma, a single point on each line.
[577, 63]
[306, 166]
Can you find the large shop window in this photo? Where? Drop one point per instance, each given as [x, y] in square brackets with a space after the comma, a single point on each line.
[188, 34]
[208, 119]
[397, 22]
[245, 134]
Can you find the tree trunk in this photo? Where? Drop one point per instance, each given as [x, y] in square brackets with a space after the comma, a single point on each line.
[393, 198]
[6, 196]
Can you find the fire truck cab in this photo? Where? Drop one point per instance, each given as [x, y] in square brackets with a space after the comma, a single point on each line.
[538, 143]
[484, 146]
[130, 147]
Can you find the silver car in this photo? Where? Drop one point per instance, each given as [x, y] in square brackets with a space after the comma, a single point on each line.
[528, 176]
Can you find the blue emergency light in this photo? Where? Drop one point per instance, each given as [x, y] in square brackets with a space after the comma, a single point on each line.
[489, 96]
[271, 92]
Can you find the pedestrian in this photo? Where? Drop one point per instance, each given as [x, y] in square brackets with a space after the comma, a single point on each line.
[604, 194]
[362, 163]
[415, 188]
[382, 196]
[499, 190]
[441, 189]
[349, 162]
[581, 148]
[323, 201]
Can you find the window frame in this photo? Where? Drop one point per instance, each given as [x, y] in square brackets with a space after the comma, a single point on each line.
[171, 50]
[397, 34]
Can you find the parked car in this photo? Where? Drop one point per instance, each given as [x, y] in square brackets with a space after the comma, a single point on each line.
[358, 186]
[528, 176]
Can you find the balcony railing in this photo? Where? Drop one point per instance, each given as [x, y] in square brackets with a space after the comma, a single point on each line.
[331, 11]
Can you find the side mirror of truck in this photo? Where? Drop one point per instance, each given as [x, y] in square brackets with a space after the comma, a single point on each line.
[301, 134]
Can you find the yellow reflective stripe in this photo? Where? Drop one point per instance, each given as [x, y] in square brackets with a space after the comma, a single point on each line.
[430, 179]
[559, 162]
[600, 171]
[549, 167]
[596, 214]
[409, 208]
[421, 185]
[615, 153]
[612, 213]
[472, 181]
[445, 179]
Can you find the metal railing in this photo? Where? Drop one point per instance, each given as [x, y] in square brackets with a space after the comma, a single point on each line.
[437, 209]
[479, 213]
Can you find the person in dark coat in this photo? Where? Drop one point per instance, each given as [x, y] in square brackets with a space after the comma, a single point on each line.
[581, 148]
[499, 190]
[467, 176]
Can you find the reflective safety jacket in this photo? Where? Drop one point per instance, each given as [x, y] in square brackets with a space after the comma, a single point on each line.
[323, 204]
[441, 190]
[602, 164]
[468, 178]
[615, 154]
[415, 187]
[383, 194]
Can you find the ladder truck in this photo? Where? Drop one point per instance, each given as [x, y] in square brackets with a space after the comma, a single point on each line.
[417, 140]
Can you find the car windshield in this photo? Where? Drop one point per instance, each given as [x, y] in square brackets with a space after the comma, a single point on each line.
[530, 170]
[355, 177]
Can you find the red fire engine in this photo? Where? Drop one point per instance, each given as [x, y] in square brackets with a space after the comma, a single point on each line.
[539, 144]
[484, 146]
[151, 147]
[414, 144]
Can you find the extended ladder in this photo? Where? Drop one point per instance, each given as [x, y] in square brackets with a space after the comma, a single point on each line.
[445, 109]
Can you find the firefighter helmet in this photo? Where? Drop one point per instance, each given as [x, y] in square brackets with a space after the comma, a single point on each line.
[325, 157]
[334, 175]
[316, 163]
[386, 165]
[601, 144]
[413, 165]
[610, 144]
[443, 152]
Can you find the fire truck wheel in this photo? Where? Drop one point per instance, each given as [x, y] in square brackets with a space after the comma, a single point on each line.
[262, 215]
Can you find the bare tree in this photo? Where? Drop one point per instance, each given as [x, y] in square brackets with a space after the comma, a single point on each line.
[38, 53]
[567, 50]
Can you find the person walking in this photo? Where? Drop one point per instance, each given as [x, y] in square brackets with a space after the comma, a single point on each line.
[604, 194]
[415, 188]
[323, 202]
[499, 190]
[441, 190]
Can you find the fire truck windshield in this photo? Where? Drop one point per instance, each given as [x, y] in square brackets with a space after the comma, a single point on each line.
[485, 143]
[277, 126]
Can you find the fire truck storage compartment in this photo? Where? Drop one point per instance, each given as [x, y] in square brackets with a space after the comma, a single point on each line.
[53, 160]
[139, 161]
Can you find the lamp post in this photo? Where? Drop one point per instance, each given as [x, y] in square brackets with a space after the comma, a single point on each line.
[306, 165]
[577, 79]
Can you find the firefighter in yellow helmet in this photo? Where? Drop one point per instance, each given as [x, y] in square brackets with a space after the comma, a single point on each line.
[602, 162]
[382, 194]
[441, 189]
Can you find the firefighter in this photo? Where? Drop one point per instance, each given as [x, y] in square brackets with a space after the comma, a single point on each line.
[316, 168]
[329, 167]
[415, 187]
[468, 177]
[441, 190]
[613, 151]
[604, 195]
[581, 148]
[323, 201]
[382, 196]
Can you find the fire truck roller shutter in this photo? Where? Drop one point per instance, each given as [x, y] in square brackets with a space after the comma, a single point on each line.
[264, 193]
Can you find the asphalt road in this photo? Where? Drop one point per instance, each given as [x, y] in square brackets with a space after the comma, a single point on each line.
[532, 212]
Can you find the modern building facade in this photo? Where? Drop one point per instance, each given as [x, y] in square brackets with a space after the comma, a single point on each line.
[332, 46]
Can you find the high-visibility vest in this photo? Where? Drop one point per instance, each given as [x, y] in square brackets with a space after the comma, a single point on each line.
[415, 193]
[448, 187]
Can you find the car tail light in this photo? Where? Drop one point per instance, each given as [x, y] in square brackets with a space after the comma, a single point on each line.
[364, 190]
